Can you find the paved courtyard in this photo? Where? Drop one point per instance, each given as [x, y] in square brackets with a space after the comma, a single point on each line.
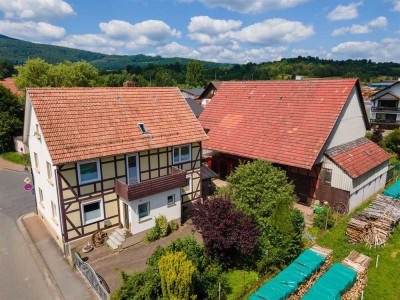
[133, 259]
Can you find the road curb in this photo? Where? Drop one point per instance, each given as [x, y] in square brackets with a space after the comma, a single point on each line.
[39, 259]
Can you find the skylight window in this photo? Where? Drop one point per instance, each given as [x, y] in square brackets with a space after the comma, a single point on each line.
[142, 128]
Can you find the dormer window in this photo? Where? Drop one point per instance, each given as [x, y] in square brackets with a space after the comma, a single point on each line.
[142, 128]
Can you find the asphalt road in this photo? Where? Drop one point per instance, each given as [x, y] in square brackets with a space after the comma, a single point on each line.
[20, 276]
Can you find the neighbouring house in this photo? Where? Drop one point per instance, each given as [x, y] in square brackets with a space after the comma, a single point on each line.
[9, 83]
[191, 93]
[108, 156]
[385, 109]
[312, 129]
[196, 108]
[211, 89]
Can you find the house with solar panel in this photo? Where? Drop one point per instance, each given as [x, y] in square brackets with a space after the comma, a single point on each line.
[109, 157]
[312, 129]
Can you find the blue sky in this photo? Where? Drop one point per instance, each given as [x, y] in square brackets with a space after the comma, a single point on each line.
[236, 31]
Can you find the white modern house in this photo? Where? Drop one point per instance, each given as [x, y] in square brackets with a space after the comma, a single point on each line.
[105, 157]
[385, 109]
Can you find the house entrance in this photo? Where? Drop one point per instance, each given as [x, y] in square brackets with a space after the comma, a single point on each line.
[126, 216]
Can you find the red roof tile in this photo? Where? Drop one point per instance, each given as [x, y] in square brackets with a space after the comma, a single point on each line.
[286, 122]
[84, 123]
[9, 83]
[358, 157]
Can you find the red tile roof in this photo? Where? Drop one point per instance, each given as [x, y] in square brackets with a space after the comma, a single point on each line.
[9, 83]
[85, 123]
[358, 157]
[286, 122]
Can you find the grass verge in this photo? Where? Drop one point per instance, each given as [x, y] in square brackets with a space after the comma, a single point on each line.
[17, 158]
[383, 282]
[239, 282]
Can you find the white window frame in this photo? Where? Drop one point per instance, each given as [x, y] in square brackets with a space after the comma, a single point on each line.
[41, 201]
[36, 159]
[173, 200]
[49, 171]
[180, 154]
[190, 179]
[137, 167]
[96, 219]
[148, 210]
[85, 162]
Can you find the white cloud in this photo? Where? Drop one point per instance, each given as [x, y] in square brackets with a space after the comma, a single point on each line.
[268, 32]
[149, 30]
[344, 12]
[36, 9]
[274, 31]
[177, 50]
[207, 25]
[379, 23]
[120, 37]
[396, 5]
[31, 30]
[385, 50]
[253, 6]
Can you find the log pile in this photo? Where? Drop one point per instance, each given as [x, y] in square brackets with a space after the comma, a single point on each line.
[376, 223]
[305, 286]
[358, 262]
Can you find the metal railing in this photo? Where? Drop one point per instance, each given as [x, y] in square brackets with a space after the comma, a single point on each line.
[98, 285]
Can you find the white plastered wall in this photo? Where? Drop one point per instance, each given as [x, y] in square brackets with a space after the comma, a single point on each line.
[41, 181]
[350, 125]
[158, 206]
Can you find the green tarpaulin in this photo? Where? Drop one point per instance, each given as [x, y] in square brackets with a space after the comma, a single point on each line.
[332, 284]
[287, 281]
[393, 191]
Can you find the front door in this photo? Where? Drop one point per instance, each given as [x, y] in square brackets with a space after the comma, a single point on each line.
[133, 169]
[126, 216]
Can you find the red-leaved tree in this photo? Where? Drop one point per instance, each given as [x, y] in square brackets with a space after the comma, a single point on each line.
[228, 234]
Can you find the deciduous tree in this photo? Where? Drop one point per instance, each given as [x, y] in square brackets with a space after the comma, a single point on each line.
[228, 234]
[195, 74]
[177, 274]
[11, 115]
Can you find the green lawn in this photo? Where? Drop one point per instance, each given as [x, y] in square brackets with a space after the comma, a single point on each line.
[17, 158]
[239, 281]
[383, 282]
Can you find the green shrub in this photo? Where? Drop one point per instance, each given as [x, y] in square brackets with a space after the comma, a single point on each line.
[173, 225]
[163, 226]
[153, 234]
[324, 219]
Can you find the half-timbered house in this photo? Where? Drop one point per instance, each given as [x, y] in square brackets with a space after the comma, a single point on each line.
[102, 157]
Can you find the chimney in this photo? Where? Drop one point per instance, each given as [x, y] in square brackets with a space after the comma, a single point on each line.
[128, 84]
[299, 77]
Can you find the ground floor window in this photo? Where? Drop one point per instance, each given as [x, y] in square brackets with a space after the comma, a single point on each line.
[144, 209]
[171, 200]
[92, 211]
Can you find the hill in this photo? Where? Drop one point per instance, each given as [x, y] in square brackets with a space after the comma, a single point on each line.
[18, 51]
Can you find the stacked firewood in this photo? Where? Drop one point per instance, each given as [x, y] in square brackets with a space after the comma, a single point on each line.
[376, 223]
[358, 262]
[305, 286]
